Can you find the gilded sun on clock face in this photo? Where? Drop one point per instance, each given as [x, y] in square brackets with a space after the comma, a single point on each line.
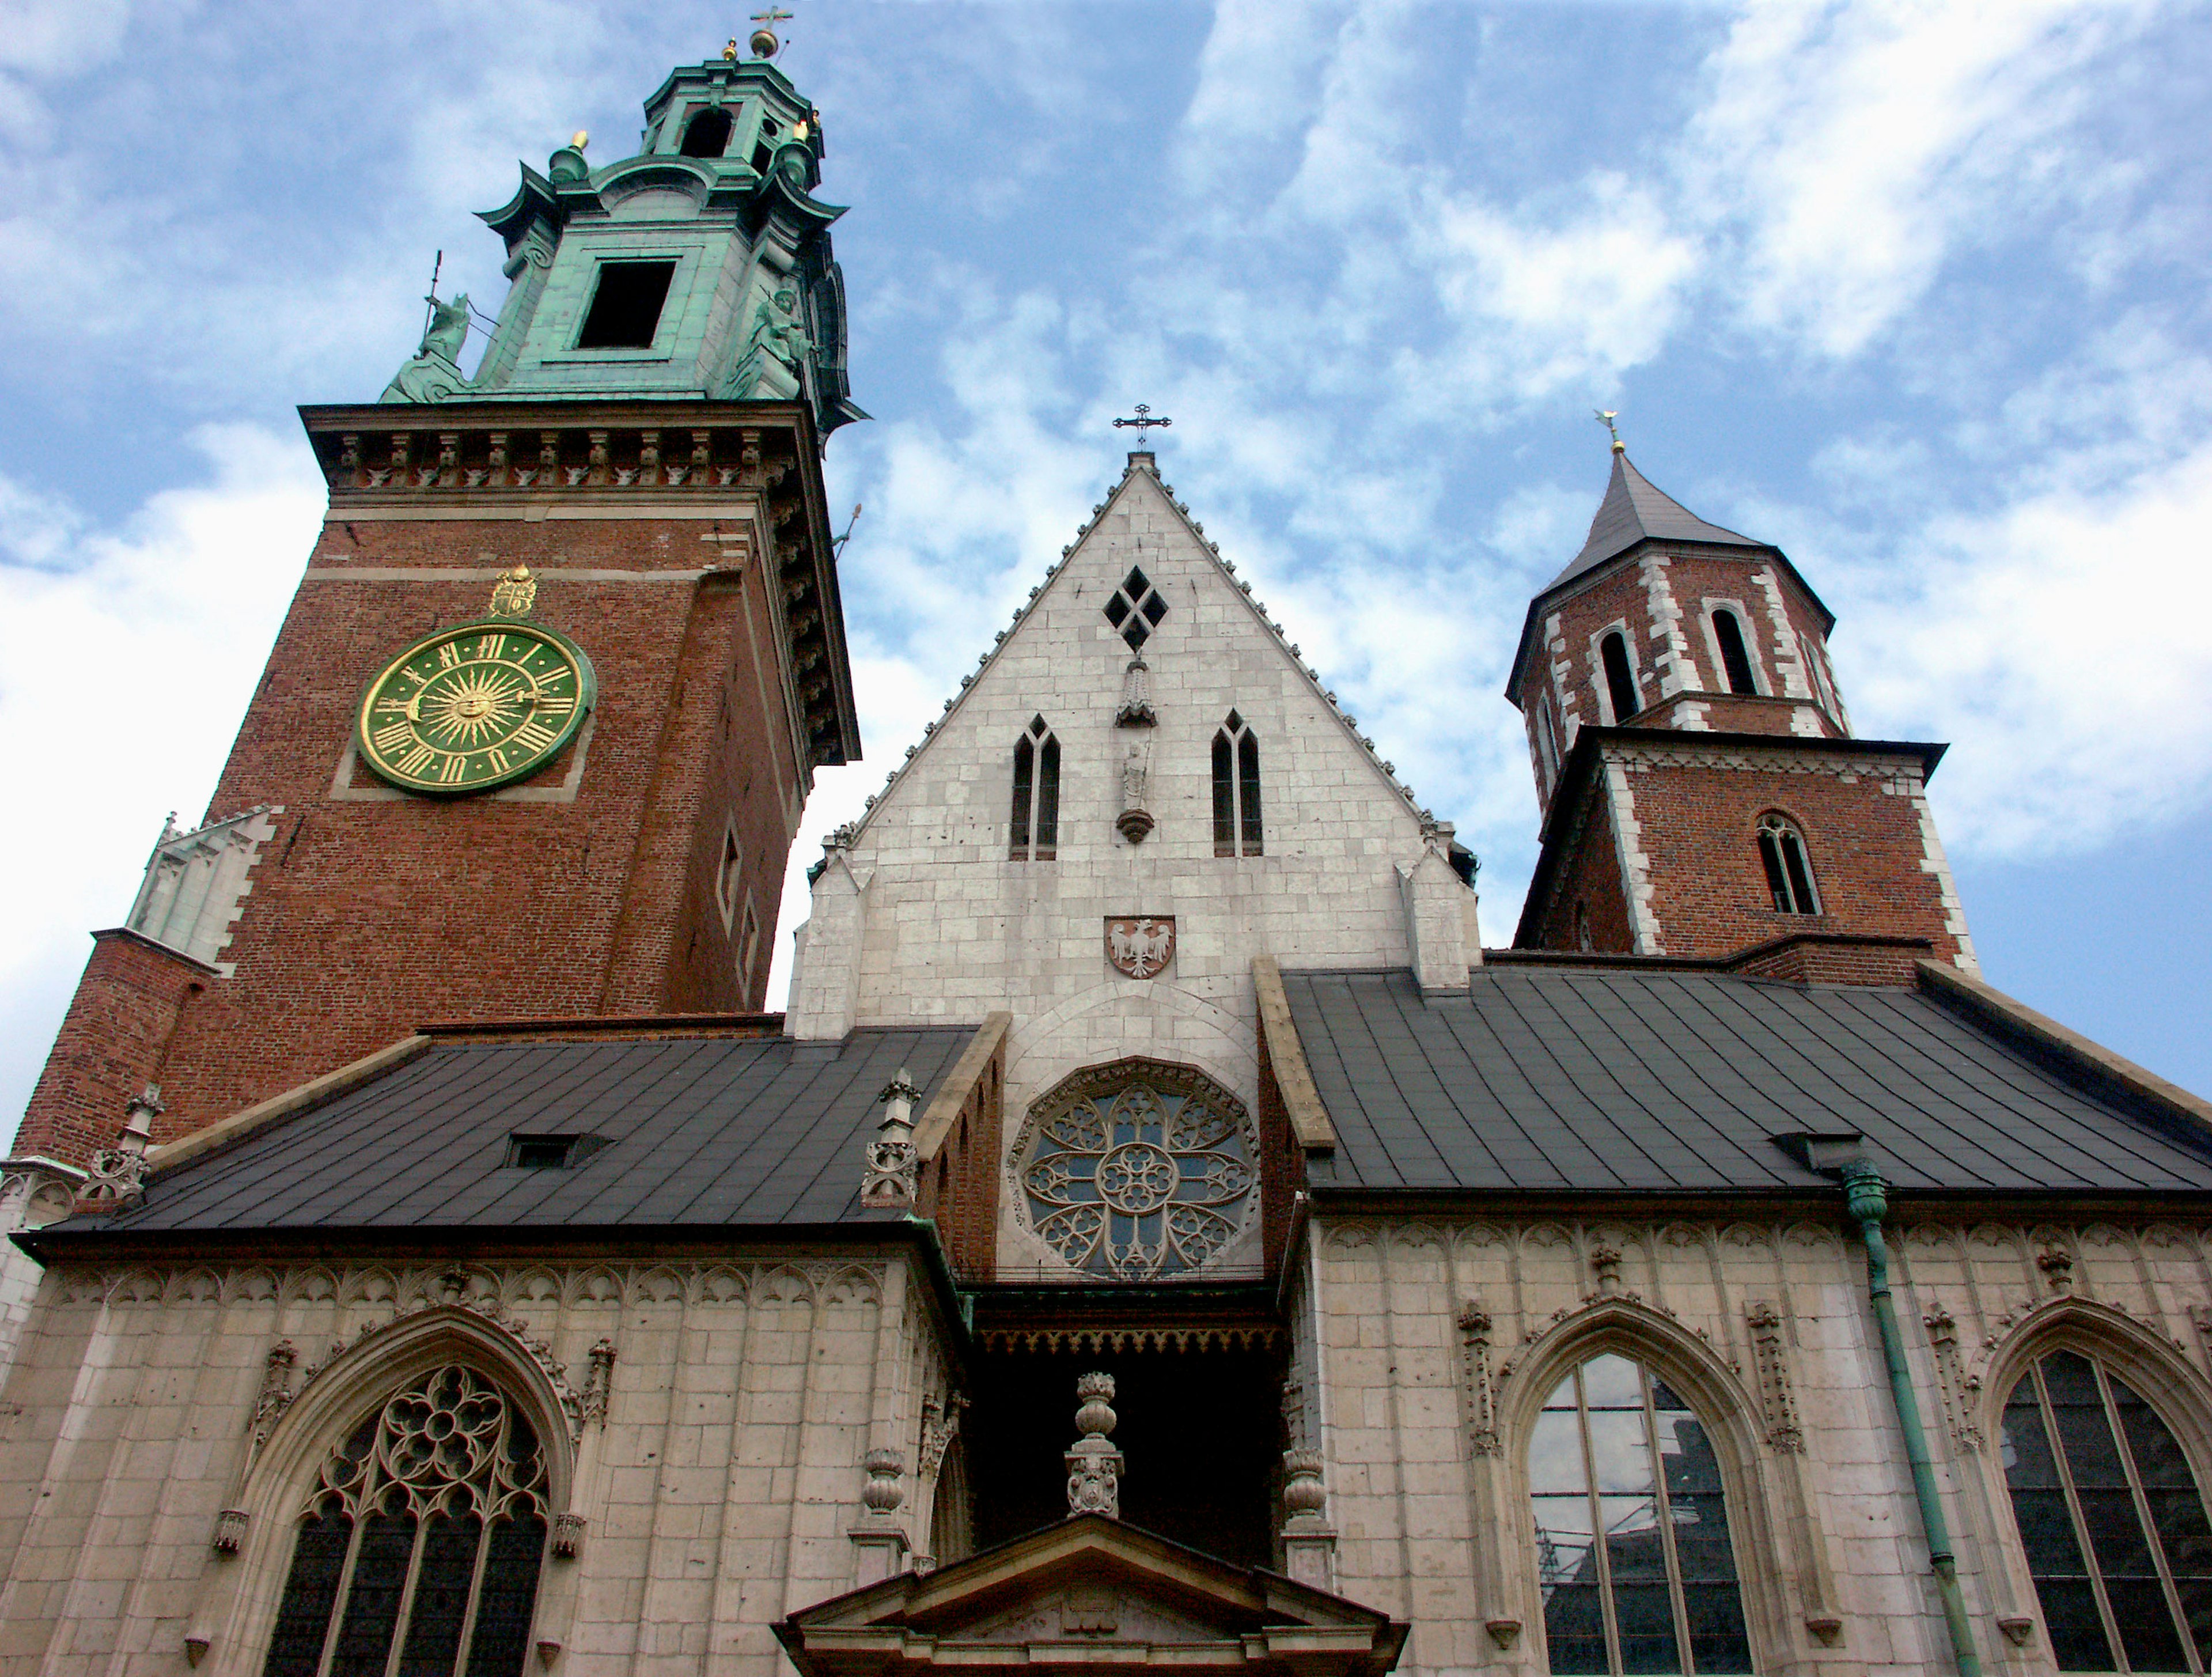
[475, 706]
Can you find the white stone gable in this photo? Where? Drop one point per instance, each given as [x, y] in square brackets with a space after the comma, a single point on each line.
[949, 926]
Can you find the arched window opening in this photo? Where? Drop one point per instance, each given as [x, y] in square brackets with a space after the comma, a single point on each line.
[1789, 876]
[425, 1532]
[1583, 927]
[1633, 1557]
[1034, 833]
[1619, 683]
[1735, 660]
[1237, 830]
[1547, 749]
[2111, 1521]
[951, 1535]
[707, 135]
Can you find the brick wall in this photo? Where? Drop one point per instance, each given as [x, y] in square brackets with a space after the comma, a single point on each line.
[577, 893]
[115, 1037]
[1697, 811]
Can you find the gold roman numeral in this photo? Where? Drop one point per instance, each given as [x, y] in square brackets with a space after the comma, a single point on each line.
[496, 758]
[415, 761]
[450, 771]
[448, 656]
[555, 704]
[532, 738]
[491, 645]
[390, 737]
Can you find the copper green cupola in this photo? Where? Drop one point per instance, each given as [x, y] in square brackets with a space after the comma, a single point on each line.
[700, 267]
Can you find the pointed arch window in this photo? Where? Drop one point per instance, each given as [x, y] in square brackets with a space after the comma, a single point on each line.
[1237, 830]
[424, 1534]
[1735, 657]
[1620, 677]
[1634, 1560]
[1788, 876]
[1034, 833]
[2112, 1520]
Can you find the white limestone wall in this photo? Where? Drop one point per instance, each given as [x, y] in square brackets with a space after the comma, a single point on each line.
[950, 929]
[720, 1474]
[1434, 1342]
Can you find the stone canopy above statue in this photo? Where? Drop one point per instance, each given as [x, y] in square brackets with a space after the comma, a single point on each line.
[1091, 1594]
[701, 267]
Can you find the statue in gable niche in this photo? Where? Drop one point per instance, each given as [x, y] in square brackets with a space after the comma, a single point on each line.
[448, 329]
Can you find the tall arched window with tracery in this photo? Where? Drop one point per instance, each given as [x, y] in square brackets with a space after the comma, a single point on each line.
[1034, 833]
[1236, 826]
[2110, 1518]
[423, 1535]
[1633, 1557]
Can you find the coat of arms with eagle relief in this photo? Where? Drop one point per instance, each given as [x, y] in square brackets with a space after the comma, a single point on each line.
[1139, 945]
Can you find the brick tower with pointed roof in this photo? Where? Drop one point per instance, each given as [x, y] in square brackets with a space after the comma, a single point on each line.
[1703, 794]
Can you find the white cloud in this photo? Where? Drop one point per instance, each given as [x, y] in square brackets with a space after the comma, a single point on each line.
[127, 657]
[1852, 146]
[2065, 644]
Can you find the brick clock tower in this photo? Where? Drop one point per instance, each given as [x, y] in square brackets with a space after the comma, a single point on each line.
[1703, 797]
[535, 736]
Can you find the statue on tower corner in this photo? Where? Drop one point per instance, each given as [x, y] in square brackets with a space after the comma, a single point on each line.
[435, 374]
[769, 367]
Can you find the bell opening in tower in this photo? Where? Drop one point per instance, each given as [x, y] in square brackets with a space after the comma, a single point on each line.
[625, 311]
[707, 135]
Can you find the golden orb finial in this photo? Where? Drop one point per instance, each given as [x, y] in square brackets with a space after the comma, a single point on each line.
[730, 50]
[579, 139]
[1605, 417]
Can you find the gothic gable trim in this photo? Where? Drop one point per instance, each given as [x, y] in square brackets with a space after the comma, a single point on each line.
[1141, 469]
[1088, 1592]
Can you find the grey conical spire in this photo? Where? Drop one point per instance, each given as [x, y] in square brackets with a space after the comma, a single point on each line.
[1634, 509]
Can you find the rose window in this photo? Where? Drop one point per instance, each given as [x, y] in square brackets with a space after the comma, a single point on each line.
[1137, 1170]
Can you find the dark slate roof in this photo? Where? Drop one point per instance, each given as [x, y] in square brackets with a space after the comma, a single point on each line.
[1633, 509]
[1625, 1081]
[743, 1130]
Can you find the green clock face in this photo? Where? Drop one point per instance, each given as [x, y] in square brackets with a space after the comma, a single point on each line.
[475, 706]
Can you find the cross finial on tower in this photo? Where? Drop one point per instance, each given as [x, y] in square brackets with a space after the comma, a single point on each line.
[764, 43]
[1605, 417]
[1143, 422]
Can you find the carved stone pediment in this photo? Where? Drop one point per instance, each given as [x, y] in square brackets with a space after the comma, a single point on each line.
[1092, 1592]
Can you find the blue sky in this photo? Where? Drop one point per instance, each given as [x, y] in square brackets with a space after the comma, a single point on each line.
[1916, 291]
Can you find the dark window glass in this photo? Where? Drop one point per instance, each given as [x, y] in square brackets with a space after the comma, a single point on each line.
[1247, 793]
[1736, 661]
[1782, 858]
[1616, 1452]
[1018, 844]
[303, 1617]
[505, 1597]
[1047, 802]
[625, 313]
[707, 135]
[372, 1611]
[1224, 797]
[1621, 686]
[429, 1517]
[2110, 1520]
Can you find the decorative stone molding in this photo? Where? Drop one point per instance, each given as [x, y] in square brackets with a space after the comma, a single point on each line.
[893, 1177]
[2057, 1264]
[1957, 1386]
[1136, 711]
[1505, 1633]
[1309, 1540]
[1478, 1390]
[883, 1492]
[1605, 1262]
[1782, 1432]
[598, 1384]
[940, 1424]
[230, 1527]
[569, 1535]
[1094, 1466]
[515, 1332]
[2017, 1628]
[276, 1396]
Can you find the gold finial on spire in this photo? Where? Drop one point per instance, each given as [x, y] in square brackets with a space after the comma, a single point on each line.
[1605, 417]
[579, 139]
[730, 50]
